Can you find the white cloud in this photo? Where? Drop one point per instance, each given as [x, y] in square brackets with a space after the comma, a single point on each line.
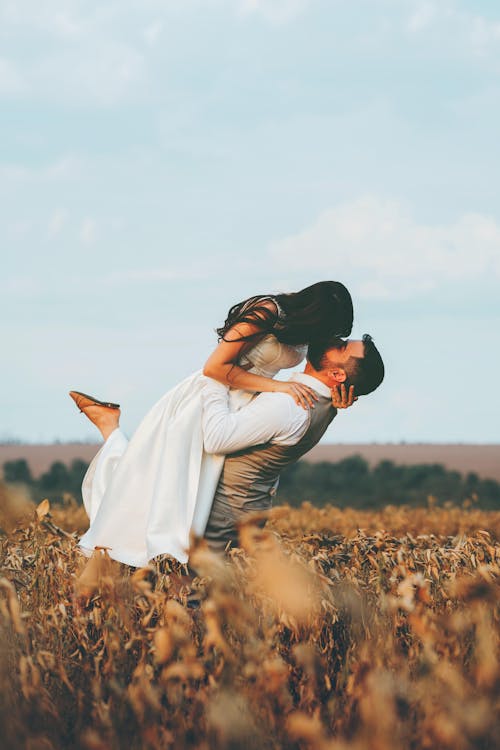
[19, 229]
[86, 53]
[153, 32]
[485, 34]
[101, 71]
[421, 16]
[65, 26]
[142, 275]
[20, 286]
[157, 275]
[469, 30]
[58, 18]
[379, 243]
[88, 231]
[64, 168]
[56, 222]
[79, 52]
[275, 11]
[11, 79]
[55, 17]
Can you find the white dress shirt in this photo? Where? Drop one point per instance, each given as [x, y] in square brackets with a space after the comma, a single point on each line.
[268, 418]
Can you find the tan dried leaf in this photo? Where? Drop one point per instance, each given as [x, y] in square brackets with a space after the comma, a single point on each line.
[42, 509]
[164, 645]
[13, 606]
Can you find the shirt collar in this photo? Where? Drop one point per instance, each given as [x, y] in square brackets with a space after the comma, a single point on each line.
[312, 382]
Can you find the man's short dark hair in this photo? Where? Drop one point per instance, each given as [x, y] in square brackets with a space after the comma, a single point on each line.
[364, 373]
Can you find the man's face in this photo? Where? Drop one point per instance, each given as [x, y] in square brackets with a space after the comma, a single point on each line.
[339, 355]
[335, 368]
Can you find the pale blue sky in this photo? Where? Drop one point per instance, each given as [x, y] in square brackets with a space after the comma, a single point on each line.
[163, 159]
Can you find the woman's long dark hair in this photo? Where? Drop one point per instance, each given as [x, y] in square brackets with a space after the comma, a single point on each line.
[316, 313]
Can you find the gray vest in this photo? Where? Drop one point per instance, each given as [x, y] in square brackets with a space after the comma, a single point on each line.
[250, 477]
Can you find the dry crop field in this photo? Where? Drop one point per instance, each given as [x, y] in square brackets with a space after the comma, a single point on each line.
[329, 630]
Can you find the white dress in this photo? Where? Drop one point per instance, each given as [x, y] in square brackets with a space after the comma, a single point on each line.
[144, 497]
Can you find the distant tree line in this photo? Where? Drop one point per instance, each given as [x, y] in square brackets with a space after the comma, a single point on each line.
[58, 481]
[350, 482]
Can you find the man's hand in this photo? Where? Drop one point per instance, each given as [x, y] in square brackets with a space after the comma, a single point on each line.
[341, 399]
[301, 393]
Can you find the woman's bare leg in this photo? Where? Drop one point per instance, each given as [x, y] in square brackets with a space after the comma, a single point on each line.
[105, 418]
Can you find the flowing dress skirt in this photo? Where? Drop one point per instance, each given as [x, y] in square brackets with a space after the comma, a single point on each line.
[145, 497]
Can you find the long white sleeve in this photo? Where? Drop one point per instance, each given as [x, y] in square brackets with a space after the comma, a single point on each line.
[270, 417]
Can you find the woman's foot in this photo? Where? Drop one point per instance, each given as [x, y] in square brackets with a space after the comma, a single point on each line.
[105, 417]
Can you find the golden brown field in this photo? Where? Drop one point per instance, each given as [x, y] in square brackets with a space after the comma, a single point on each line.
[329, 630]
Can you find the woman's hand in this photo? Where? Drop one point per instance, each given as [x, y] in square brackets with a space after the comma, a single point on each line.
[341, 399]
[301, 394]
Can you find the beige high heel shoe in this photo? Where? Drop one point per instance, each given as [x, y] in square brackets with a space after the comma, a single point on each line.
[83, 400]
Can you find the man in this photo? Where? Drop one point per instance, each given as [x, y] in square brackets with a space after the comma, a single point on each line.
[272, 432]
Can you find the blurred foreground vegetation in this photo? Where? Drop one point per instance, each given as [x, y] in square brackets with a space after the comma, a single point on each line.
[331, 629]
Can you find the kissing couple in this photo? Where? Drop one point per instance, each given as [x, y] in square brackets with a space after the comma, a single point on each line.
[211, 450]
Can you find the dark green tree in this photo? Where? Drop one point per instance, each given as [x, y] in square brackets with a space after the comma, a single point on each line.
[17, 472]
[351, 482]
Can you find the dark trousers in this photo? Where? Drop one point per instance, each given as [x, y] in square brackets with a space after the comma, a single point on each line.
[226, 514]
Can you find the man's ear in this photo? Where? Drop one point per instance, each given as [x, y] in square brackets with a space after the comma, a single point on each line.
[337, 375]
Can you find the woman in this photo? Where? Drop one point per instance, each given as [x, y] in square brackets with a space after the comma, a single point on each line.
[146, 496]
